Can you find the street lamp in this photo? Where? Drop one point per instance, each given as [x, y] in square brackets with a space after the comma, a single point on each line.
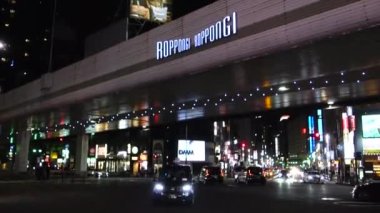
[2, 45]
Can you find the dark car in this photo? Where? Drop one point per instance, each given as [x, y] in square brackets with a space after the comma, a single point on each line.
[367, 191]
[211, 174]
[174, 184]
[252, 174]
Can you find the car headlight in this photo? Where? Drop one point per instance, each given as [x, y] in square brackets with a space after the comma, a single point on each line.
[158, 187]
[309, 177]
[187, 188]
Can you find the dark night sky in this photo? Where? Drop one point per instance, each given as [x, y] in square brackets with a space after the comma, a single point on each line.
[75, 20]
[89, 16]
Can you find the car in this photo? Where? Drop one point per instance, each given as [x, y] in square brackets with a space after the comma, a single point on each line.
[252, 174]
[98, 173]
[211, 174]
[238, 171]
[366, 192]
[174, 184]
[268, 172]
[313, 177]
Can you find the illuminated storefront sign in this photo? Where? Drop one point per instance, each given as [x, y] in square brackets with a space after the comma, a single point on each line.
[371, 134]
[371, 146]
[371, 126]
[221, 29]
[348, 135]
[101, 151]
[191, 150]
[311, 132]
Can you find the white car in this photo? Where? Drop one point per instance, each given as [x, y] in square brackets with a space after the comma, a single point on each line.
[313, 177]
[239, 172]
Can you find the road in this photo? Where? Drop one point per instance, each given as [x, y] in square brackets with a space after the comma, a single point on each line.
[133, 195]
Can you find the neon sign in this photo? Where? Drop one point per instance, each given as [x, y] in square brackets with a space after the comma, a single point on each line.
[221, 29]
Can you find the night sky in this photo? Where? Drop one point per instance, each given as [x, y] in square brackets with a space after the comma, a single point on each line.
[28, 33]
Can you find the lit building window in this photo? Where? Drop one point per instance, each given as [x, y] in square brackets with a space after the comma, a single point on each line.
[6, 24]
[45, 39]
[3, 59]
[13, 1]
[12, 11]
[27, 40]
[26, 54]
[25, 73]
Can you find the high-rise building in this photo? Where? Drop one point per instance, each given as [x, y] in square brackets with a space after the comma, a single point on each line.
[25, 34]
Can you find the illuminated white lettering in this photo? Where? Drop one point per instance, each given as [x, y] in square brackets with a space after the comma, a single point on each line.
[186, 152]
[212, 33]
[221, 29]
[171, 46]
[202, 37]
[207, 34]
[166, 49]
[175, 46]
[159, 50]
[226, 27]
[218, 30]
[234, 25]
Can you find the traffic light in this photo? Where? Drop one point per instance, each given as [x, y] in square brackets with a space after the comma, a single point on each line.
[317, 136]
[244, 143]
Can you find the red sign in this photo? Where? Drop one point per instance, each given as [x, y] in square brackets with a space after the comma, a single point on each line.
[351, 123]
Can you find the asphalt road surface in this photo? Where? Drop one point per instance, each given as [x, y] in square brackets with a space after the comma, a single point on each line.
[134, 195]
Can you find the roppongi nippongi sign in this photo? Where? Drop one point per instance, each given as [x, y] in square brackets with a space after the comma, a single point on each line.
[221, 29]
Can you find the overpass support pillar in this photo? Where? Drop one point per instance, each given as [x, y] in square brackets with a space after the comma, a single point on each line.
[81, 154]
[22, 151]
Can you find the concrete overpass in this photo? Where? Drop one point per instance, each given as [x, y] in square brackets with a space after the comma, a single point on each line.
[316, 50]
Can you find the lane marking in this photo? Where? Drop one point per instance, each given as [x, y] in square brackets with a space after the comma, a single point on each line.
[330, 198]
[357, 204]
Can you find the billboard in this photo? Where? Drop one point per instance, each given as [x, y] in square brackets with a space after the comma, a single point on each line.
[371, 126]
[192, 151]
[371, 146]
[151, 10]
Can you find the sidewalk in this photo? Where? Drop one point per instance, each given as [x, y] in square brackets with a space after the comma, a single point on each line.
[12, 177]
[9, 177]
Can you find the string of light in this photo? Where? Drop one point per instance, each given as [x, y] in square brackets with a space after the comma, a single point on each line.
[227, 98]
